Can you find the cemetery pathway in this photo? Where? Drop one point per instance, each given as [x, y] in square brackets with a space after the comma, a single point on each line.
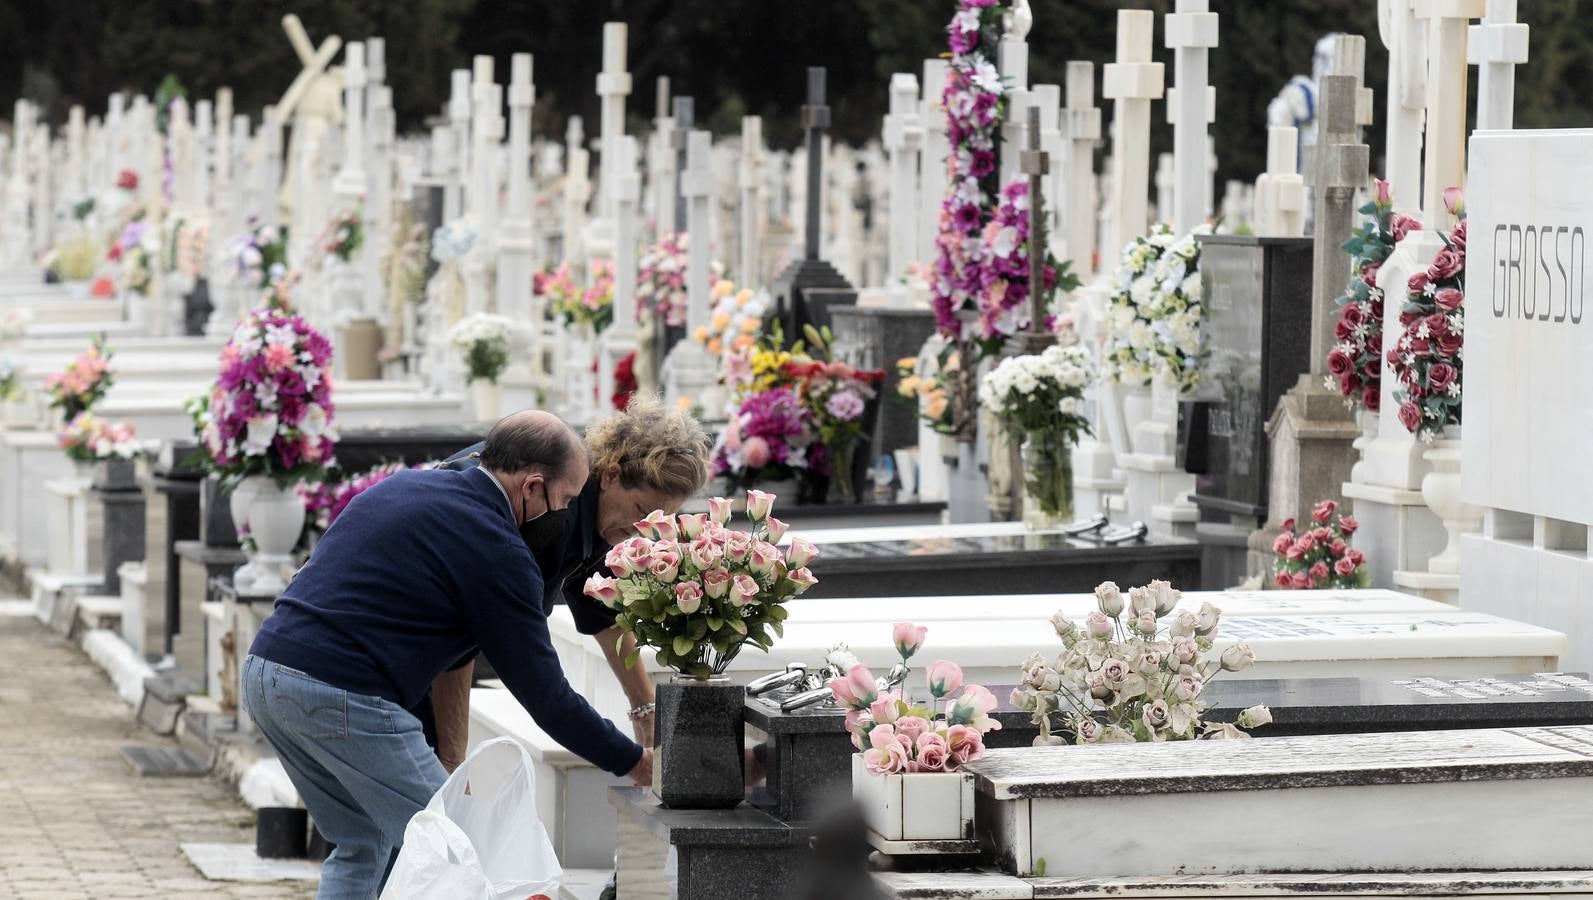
[75, 822]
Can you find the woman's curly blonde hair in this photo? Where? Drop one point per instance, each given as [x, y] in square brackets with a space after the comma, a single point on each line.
[655, 447]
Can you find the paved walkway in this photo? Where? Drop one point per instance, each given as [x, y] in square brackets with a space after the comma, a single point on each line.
[75, 822]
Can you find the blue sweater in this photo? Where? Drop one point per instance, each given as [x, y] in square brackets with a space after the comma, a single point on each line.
[418, 573]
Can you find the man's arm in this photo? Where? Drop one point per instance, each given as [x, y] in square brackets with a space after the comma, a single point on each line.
[638, 685]
[450, 702]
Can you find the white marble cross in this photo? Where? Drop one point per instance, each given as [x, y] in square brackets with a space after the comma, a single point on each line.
[697, 185]
[1496, 47]
[613, 85]
[661, 165]
[1047, 98]
[1131, 83]
[932, 172]
[1339, 166]
[1191, 107]
[459, 118]
[204, 134]
[903, 137]
[577, 190]
[1280, 191]
[1165, 178]
[1406, 107]
[750, 179]
[1012, 61]
[75, 137]
[514, 241]
[349, 185]
[1445, 148]
[1081, 126]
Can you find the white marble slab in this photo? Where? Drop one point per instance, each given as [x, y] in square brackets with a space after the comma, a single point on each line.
[1376, 804]
[238, 862]
[1565, 885]
[909, 532]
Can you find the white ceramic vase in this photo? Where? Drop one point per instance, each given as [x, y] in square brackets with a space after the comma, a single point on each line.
[921, 806]
[1441, 491]
[1137, 408]
[1368, 423]
[487, 398]
[275, 519]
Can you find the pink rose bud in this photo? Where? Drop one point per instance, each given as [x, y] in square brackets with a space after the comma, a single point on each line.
[945, 678]
[759, 504]
[716, 583]
[603, 590]
[1209, 617]
[660, 526]
[693, 524]
[738, 544]
[665, 567]
[1344, 568]
[705, 554]
[1324, 511]
[885, 710]
[688, 596]
[908, 638]
[1281, 545]
[1108, 599]
[1238, 658]
[802, 578]
[1288, 525]
[743, 590]
[1454, 201]
[616, 561]
[719, 509]
[1097, 625]
[764, 558]
[800, 553]
[1385, 194]
[776, 529]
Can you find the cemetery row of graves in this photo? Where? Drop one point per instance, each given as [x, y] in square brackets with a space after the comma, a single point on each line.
[1085, 470]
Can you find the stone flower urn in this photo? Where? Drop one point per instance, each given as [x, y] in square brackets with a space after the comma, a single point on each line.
[697, 763]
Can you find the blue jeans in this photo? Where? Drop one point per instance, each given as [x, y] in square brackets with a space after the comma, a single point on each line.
[360, 764]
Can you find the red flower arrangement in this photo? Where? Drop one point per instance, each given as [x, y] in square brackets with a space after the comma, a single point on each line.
[1355, 365]
[1319, 556]
[1427, 357]
[624, 382]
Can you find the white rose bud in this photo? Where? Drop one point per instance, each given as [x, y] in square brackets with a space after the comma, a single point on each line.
[1209, 615]
[1255, 717]
[1165, 597]
[1145, 623]
[1141, 600]
[1156, 715]
[1088, 730]
[1100, 690]
[1187, 687]
[1238, 658]
[1098, 625]
[1109, 599]
[1115, 670]
[1064, 626]
[1184, 625]
[1185, 650]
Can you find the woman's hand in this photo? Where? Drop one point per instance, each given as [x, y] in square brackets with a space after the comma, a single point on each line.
[642, 728]
[642, 774]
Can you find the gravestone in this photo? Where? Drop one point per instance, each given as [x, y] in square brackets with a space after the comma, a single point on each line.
[874, 339]
[791, 287]
[1372, 798]
[1258, 308]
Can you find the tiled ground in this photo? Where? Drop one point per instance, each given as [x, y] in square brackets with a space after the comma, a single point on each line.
[75, 822]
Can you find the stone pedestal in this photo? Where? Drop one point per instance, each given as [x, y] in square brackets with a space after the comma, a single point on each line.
[1311, 433]
[123, 532]
[791, 292]
[357, 347]
[66, 516]
[1398, 531]
[1157, 487]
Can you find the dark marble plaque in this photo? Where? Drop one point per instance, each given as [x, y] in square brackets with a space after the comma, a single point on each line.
[874, 339]
[362, 449]
[1004, 564]
[806, 754]
[1258, 322]
[718, 854]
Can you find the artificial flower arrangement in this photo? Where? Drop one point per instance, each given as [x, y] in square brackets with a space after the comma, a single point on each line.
[1319, 556]
[1129, 355]
[929, 384]
[87, 438]
[570, 302]
[10, 381]
[898, 735]
[260, 254]
[1427, 358]
[735, 320]
[482, 341]
[1040, 400]
[344, 235]
[1156, 313]
[661, 279]
[325, 500]
[451, 242]
[84, 381]
[625, 385]
[409, 261]
[277, 293]
[74, 258]
[698, 593]
[14, 323]
[135, 251]
[1135, 672]
[1355, 364]
[270, 411]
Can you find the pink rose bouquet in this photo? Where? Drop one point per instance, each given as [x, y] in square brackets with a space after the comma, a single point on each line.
[697, 592]
[84, 381]
[1355, 364]
[568, 301]
[344, 235]
[270, 410]
[1320, 555]
[88, 439]
[1426, 359]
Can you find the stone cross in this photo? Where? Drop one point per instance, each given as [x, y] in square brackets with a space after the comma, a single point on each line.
[1165, 179]
[697, 181]
[1280, 191]
[815, 121]
[203, 136]
[1339, 166]
[1035, 163]
[381, 133]
[116, 128]
[750, 179]
[627, 187]
[577, 190]
[661, 168]
[685, 119]
[1012, 61]
[613, 85]
[903, 135]
[932, 172]
[1445, 164]
[350, 184]
[1406, 105]
[226, 170]
[1191, 107]
[1496, 47]
[482, 195]
[1131, 83]
[268, 174]
[179, 148]
[459, 118]
[1081, 126]
[75, 137]
[515, 243]
[375, 81]
[1349, 58]
[1048, 100]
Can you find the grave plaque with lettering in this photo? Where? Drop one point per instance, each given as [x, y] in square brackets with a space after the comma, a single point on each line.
[1258, 303]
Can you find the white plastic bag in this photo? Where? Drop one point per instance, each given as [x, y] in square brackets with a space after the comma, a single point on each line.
[479, 836]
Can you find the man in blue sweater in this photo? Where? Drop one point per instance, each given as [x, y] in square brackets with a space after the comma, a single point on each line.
[417, 575]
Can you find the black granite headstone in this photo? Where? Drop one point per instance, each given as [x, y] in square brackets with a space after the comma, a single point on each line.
[874, 339]
[197, 307]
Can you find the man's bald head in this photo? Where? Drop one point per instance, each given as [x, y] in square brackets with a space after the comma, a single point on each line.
[533, 441]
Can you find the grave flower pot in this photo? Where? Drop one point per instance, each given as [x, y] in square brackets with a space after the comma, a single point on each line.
[1441, 491]
[487, 399]
[697, 763]
[1047, 481]
[117, 475]
[274, 516]
[83, 469]
[916, 806]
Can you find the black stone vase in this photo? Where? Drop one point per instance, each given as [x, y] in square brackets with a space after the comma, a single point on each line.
[697, 763]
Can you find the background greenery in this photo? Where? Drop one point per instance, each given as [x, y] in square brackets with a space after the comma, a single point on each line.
[734, 56]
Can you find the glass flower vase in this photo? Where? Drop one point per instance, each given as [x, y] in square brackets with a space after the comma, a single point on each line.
[1047, 481]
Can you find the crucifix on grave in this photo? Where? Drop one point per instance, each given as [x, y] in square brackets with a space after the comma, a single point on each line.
[691, 372]
[661, 165]
[313, 100]
[1034, 163]
[514, 239]
[750, 178]
[807, 287]
[679, 132]
[1496, 47]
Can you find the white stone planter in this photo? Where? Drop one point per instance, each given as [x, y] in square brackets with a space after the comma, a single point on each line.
[924, 806]
[487, 398]
[275, 517]
[1441, 490]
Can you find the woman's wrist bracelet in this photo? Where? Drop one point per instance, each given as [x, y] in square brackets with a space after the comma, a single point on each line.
[643, 711]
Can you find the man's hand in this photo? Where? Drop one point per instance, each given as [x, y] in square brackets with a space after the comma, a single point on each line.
[643, 773]
[449, 763]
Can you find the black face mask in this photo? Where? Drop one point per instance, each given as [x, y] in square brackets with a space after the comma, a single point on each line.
[545, 531]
